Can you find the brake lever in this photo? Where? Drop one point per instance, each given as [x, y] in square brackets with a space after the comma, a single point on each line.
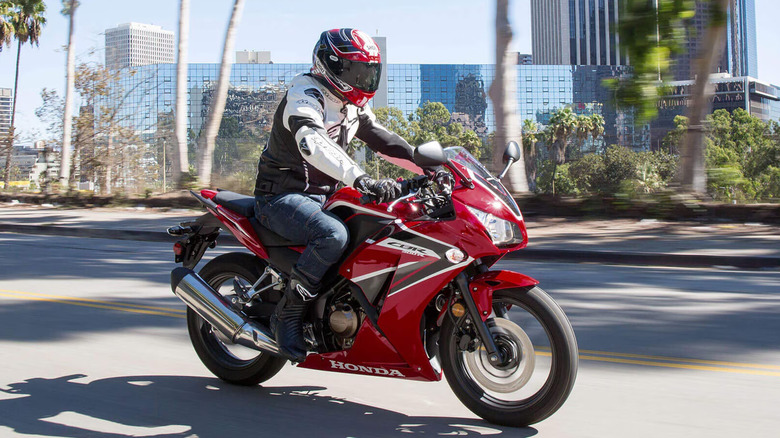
[401, 199]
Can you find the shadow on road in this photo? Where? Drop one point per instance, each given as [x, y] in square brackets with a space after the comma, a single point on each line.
[174, 406]
[23, 321]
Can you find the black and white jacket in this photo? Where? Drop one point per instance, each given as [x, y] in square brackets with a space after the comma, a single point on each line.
[311, 130]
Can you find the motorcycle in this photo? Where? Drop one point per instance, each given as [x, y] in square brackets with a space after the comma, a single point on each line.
[414, 297]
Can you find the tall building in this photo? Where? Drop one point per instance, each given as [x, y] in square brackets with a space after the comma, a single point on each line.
[6, 99]
[743, 39]
[148, 94]
[136, 44]
[740, 57]
[576, 32]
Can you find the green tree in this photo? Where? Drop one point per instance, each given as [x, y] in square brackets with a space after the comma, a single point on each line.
[672, 142]
[563, 123]
[27, 17]
[651, 32]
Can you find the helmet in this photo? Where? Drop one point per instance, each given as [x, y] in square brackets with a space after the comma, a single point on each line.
[349, 61]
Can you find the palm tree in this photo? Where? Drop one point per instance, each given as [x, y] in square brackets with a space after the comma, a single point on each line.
[582, 130]
[27, 19]
[69, 9]
[208, 140]
[6, 26]
[530, 138]
[179, 157]
[562, 125]
[502, 94]
[597, 126]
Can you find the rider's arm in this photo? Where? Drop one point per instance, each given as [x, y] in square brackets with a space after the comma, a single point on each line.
[303, 116]
[388, 144]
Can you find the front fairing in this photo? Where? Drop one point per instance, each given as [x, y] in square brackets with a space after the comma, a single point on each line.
[488, 195]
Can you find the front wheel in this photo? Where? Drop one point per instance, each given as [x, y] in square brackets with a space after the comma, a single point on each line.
[539, 363]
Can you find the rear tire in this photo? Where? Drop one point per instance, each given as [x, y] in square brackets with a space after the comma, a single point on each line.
[210, 349]
[555, 389]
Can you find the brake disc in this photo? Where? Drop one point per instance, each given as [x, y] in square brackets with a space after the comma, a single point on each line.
[504, 379]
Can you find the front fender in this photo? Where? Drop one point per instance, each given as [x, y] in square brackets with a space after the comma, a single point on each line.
[483, 285]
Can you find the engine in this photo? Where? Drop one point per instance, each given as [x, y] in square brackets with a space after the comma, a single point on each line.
[344, 319]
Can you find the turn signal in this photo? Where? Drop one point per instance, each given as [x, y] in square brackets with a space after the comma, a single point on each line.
[458, 310]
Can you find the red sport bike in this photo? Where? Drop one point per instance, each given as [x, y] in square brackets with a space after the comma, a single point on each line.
[414, 296]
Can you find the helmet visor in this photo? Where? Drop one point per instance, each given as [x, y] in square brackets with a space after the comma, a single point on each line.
[361, 75]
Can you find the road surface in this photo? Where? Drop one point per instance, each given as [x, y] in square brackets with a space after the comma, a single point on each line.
[93, 343]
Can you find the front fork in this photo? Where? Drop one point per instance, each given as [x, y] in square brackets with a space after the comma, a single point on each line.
[477, 295]
[480, 324]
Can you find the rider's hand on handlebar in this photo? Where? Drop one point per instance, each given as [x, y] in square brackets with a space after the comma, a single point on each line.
[384, 190]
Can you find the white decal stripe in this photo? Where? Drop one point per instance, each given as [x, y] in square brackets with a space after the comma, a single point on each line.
[359, 208]
[380, 272]
[467, 262]
[405, 228]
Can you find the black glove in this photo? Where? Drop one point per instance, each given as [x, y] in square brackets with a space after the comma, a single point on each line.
[440, 176]
[385, 190]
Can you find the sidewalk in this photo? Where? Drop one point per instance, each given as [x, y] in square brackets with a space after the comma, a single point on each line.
[620, 241]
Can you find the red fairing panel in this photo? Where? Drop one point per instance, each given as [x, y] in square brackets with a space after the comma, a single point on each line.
[483, 286]
[371, 354]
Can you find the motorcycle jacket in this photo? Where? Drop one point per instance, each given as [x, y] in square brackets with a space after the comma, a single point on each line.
[311, 130]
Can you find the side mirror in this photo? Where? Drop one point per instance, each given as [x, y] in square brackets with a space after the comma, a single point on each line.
[429, 154]
[511, 156]
[512, 152]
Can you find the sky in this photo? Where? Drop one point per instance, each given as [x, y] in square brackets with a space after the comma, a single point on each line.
[431, 31]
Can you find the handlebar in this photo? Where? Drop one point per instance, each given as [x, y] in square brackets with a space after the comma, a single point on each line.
[408, 187]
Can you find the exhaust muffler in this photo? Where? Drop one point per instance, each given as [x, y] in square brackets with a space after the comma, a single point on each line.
[214, 309]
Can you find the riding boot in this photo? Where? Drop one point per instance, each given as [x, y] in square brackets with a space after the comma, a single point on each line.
[287, 320]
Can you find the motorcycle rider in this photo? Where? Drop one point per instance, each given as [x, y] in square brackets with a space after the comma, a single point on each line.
[305, 160]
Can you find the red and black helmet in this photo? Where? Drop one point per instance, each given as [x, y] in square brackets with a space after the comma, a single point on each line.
[349, 61]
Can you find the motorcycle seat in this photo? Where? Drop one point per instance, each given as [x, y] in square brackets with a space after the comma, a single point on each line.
[245, 206]
[236, 202]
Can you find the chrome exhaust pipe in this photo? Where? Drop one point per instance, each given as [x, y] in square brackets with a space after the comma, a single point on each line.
[214, 309]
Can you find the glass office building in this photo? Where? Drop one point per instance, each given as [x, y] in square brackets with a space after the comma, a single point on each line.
[758, 98]
[144, 94]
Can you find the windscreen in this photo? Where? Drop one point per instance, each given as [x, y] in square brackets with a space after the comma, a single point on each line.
[462, 156]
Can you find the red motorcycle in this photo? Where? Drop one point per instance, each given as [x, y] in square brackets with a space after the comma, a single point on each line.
[414, 295]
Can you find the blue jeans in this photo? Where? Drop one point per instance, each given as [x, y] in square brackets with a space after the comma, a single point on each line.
[300, 217]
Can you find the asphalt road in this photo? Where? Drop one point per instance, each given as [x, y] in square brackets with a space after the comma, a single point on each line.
[93, 343]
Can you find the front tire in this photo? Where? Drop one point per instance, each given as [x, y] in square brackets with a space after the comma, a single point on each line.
[232, 363]
[504, 396]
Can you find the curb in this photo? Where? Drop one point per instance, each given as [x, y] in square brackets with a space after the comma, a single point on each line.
[645, 259]
[527, 254]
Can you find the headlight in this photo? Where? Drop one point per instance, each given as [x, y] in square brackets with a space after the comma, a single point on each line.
[502, 232]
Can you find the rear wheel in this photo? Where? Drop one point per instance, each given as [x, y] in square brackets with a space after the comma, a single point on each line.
[540, 361]
[230, 362]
